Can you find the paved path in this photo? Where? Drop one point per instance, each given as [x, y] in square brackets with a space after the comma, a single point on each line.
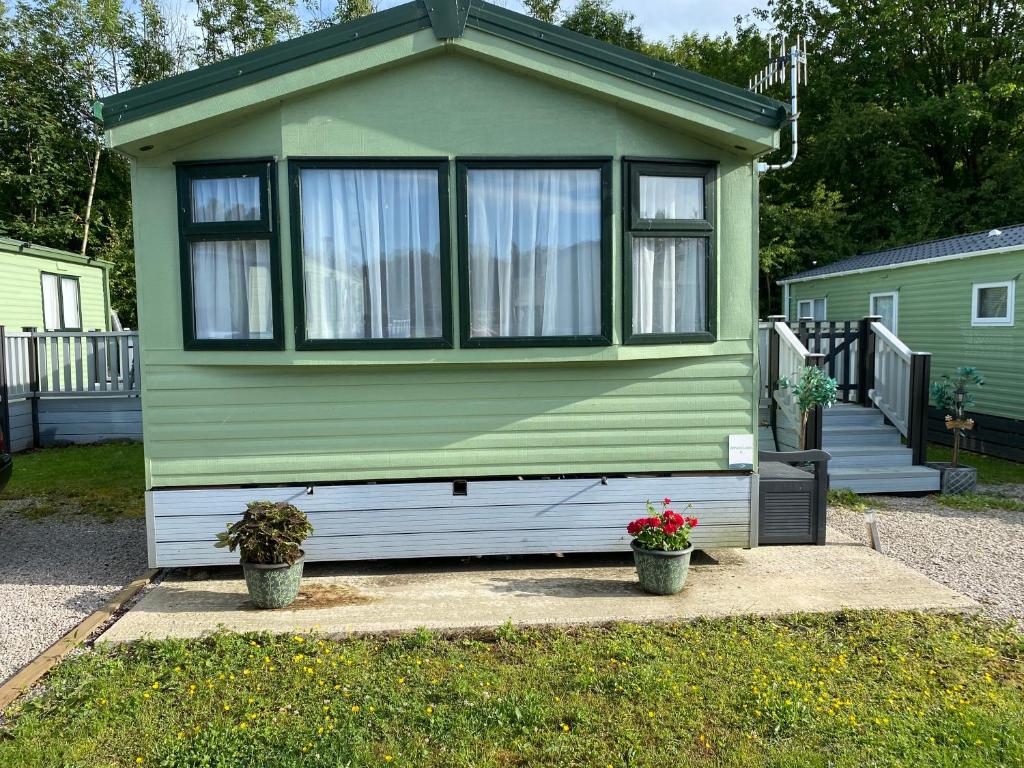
[440, 594]
[54, 572]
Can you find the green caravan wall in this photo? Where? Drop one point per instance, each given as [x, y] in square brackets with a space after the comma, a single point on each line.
[21, 292]
[276, 417]
[935, 316]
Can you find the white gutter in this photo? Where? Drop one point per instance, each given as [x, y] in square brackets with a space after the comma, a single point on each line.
[934, 260]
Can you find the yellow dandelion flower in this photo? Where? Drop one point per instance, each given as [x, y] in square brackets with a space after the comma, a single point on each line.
[227, 707]
[565, 727]
[138, 760]
[156, 685]
[388, 758]
[243, 725]
[355, 707]
[299, 639]
[430, 710]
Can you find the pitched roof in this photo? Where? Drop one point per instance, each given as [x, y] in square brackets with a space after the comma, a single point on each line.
[23, 248]
[449, 19]
[948, 247]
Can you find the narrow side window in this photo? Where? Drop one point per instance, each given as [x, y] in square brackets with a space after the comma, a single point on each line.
[669, 265]
[229, 251]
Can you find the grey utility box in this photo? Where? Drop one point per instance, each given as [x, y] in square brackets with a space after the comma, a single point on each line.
[792, 498]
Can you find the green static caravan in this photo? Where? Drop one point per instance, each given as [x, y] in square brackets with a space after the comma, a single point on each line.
[960, 299]
[51, 290]
[384, 272]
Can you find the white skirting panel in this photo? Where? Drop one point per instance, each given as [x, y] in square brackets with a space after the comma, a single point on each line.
[495, 517]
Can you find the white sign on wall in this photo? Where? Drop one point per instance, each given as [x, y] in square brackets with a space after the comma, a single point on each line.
[741, 451]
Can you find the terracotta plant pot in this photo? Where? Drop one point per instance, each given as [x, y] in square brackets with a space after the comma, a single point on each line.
[273, 586]
[661, 573]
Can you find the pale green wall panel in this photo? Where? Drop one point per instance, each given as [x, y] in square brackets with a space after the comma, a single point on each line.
[935, 316]
[325, 416]
[21, 293]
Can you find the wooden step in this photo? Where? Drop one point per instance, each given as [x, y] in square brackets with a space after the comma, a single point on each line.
[884, 479]
[870, 455]
[881, 435]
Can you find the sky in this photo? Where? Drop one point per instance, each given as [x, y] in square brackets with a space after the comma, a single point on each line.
[660, 19]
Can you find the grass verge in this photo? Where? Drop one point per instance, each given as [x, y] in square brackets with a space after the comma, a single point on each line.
[979, 502]
[991, 470]
[105, 480]
[849, 689]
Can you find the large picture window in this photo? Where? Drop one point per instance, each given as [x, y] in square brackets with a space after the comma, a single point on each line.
[668, 271]
[373, 238]
[230, 263]
[535, 252]
[62, 309]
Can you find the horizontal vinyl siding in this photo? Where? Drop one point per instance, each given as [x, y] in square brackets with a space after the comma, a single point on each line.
[210, 426]
[935, 316]
[21, 292]
[352, 522]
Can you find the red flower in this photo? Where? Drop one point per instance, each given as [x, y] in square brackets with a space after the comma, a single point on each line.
[673, 517]
[670, 528]
[667, 502]
[633, 528]
[692, 522]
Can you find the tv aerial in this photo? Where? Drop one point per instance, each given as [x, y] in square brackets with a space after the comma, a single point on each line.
[790, 62]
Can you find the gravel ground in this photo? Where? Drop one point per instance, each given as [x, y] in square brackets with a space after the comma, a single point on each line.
[56, 571]
[980, 554]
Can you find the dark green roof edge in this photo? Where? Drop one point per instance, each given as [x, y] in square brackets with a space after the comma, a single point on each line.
[627, 64]
[25, 248]
[449, 19]
[279, 59]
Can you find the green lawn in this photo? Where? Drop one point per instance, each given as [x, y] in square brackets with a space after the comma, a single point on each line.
[990, 469]
[104, 480]
[854, 689]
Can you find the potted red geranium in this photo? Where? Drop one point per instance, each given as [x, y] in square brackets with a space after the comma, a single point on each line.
[661, 549]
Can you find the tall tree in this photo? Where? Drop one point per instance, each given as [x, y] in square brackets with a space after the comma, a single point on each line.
[233, 27]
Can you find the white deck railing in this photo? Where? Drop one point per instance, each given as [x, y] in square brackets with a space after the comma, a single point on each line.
[794, 357]
[93, 363]
[891, 393]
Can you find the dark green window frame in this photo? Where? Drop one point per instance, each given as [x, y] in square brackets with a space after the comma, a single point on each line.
[265, 228]
[604, 165]
[635, 226]
[60, 300]
[441, 165]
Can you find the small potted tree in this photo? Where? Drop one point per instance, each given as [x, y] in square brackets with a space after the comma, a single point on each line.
[269, 538]
[661, 549]
[952, 395]
[815, 388]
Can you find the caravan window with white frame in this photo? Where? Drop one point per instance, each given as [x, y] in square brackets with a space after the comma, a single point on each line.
[992, 303]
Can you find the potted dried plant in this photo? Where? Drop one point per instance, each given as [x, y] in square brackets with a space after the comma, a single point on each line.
[269, 538]
[661, 549]
[952, 395]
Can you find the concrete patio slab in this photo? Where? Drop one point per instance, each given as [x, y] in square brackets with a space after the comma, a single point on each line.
[393, 596]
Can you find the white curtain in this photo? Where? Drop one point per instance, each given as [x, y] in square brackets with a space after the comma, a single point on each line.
[371, 251]
[51, 303]
[231, 289]
[69, 302]
[671, 197]
[669, 279]
[534, 252]
[228, 199]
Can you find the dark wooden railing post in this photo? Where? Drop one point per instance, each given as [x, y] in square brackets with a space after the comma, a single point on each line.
[815, 417]
[917, 426]
[33, 381]
[866, 359]
[5, 407]
[773, 369]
